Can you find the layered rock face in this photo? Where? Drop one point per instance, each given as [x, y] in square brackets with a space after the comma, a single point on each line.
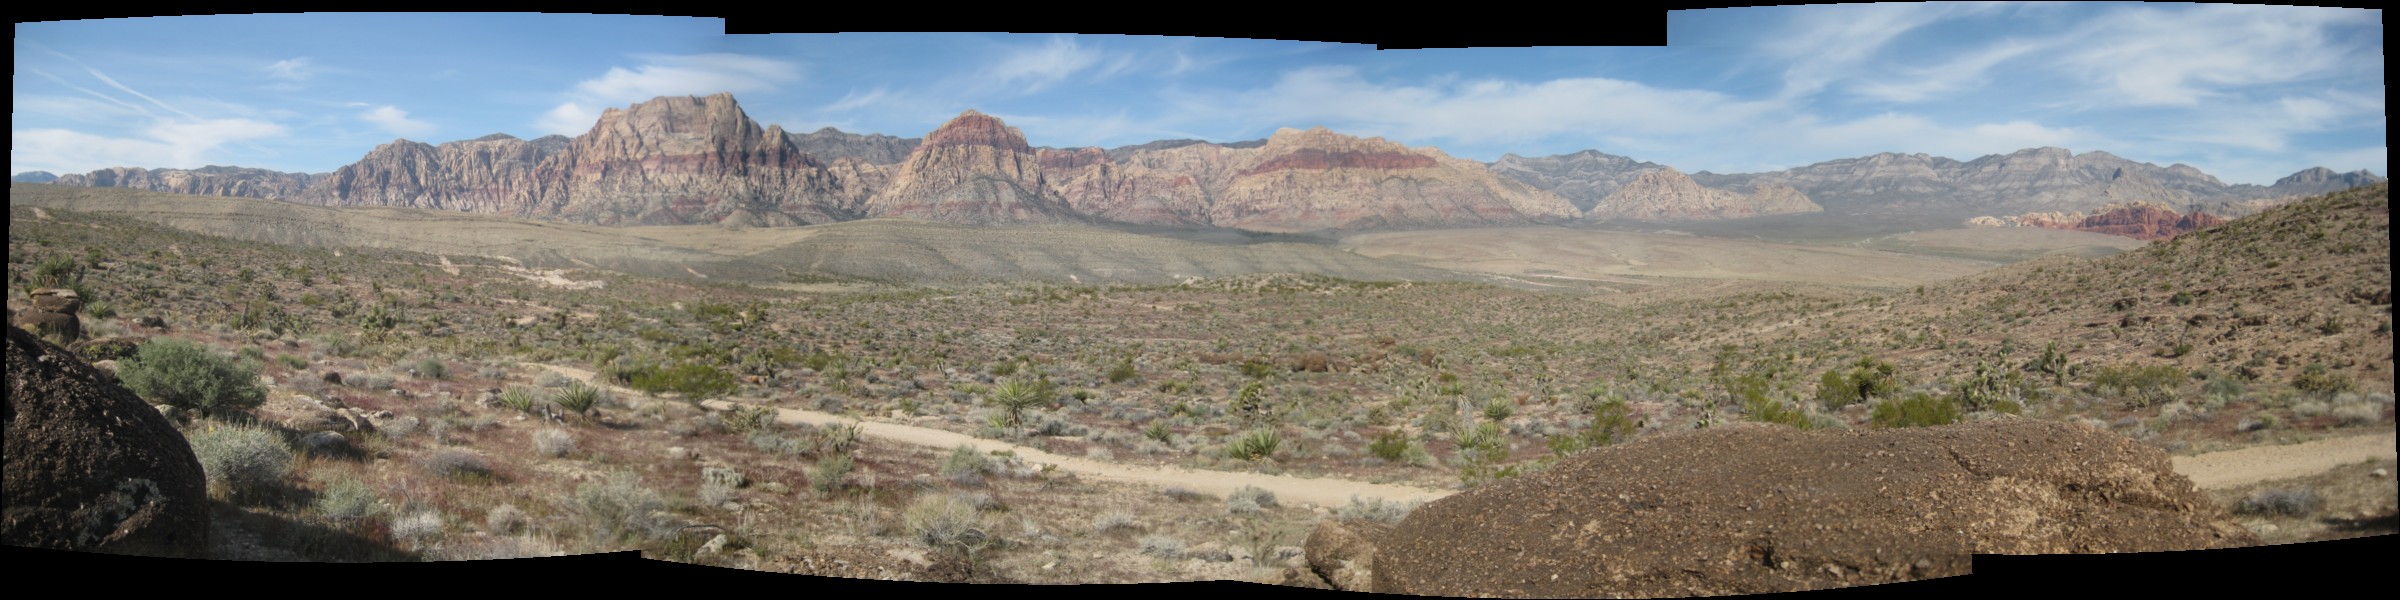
[1761, 508]
[973, 170]
[90, 467]
[490, 174]
[2137, 220]
[1301, 181]
[1583, 178]
[689, 160]
[204, 181]
[1669, 195]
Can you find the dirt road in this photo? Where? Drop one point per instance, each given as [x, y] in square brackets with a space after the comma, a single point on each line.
[2231, 468]
[1289, 490]
[2236, 468]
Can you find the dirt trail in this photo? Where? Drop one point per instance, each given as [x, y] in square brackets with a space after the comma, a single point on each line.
[1289, 490]
[2236, 468]
[2216, 470]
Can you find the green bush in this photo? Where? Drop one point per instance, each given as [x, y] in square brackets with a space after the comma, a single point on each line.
[1865, 381]
[1391, 445]
[184, 375]
[241, 461]
[1915, 410]
[619, 509]
[347, 500]
[1122, 372]
[432, 369]
[577, 399]
[1015, 396]
[2316, 379]
[966, 465]
[2142, 385]
[946, 523]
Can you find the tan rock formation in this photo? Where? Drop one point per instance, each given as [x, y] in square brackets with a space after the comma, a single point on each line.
[975, 170]
[1669, 195]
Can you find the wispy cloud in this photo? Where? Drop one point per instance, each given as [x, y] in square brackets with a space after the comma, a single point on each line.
[292, 69]
[1829, 43]
[2148, 56]
[177, 144]
[1034, 68]
[1480, 110]
[1965, 72]
[394, 120]
[665, 75]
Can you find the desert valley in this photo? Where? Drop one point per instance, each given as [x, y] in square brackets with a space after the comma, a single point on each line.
[1316, 359]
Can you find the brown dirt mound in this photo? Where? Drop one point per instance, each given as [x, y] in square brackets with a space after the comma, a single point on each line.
[90, 466]
[1750, 509]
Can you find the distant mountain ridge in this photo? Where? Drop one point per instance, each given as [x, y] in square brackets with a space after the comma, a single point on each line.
[701, 159]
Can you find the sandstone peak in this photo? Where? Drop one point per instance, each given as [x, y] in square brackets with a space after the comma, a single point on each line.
[973, 128]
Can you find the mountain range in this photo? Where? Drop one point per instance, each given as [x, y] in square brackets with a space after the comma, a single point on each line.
[701, 159]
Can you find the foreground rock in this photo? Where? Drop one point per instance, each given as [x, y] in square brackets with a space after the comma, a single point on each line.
[91, 467]
[1752, 509]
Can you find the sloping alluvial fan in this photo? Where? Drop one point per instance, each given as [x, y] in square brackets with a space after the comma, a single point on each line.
[1760, 508]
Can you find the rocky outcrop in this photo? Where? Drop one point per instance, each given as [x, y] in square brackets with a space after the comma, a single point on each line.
[52, 316]
[204, 181]
[490, 174]
[2138, 220]
[1583, 178]
[90, 467]
[832, 145]
[1669, 195]
[1661, 516]
[33, 177]
[689, 159]
[973, 170]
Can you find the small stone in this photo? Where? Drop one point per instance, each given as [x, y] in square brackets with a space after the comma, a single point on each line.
[679, 453]
[714, 545]
[2379, 473]
[1049, 565]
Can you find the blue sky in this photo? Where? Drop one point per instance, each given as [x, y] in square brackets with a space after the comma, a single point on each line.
[2246, 93]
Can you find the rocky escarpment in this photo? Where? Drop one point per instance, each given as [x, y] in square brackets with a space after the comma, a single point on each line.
[490, 174]
[1583, 178]
[1669, 195]
[204, 181]
[833, 145]
[1762, 508]
[690, 159]
[2137, 220]
[975, 170]
[90, 467]
[2030, 180]
[1301, 180]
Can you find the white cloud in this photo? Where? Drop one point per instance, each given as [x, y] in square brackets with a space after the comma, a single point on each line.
[394, 120]
[855, 100]
[1967, 71]
[170, 144]
[1809, 136]
[1029, 69]
[1826, 44]
[2153, 57]
[291, 69]
[1481, 110]
[698, 74]
[568, 119]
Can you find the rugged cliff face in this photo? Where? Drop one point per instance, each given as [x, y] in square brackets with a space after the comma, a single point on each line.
[2138, 220]
[688, 160]
[1669, 195]
[490, 174]
[204, 181]
[1583, 178]
[832, 145]
[974, 170]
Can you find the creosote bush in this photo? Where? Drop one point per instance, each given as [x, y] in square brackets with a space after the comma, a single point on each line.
[1915, 410]
[241, 461]
[186, 376]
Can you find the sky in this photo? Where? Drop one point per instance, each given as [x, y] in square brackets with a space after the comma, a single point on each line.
[2247, 93]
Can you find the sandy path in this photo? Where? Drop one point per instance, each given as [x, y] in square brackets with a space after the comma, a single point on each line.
[2236, 468]
[1289, 490]
[2215, 470]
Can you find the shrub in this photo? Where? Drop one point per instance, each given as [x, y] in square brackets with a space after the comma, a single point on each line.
[1113, 521]
[1162, 547]
[945, 522]
[518, 399]
[695, 382]
[839, 438]
[1915, 410]
[241, 461]
[1377, 509]
[347, 500]
[1122, 372]
[1865, 381]
[830, 472]
[100, 309]
[1498, 409]
[2291, 501]
[1390, 445]
[1249, 499]
[1259, 443]
[414, 529]
[2316, 379]
[746, 419]
[432, 369]
[966, 466]
[619, 509]
[184, 375]
[459, 465]
[506, 519]
[1014, 397]
[553, 443]
[2143, 385]
[1184, 494]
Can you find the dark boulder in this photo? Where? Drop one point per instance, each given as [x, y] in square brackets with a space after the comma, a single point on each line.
[91, 467]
